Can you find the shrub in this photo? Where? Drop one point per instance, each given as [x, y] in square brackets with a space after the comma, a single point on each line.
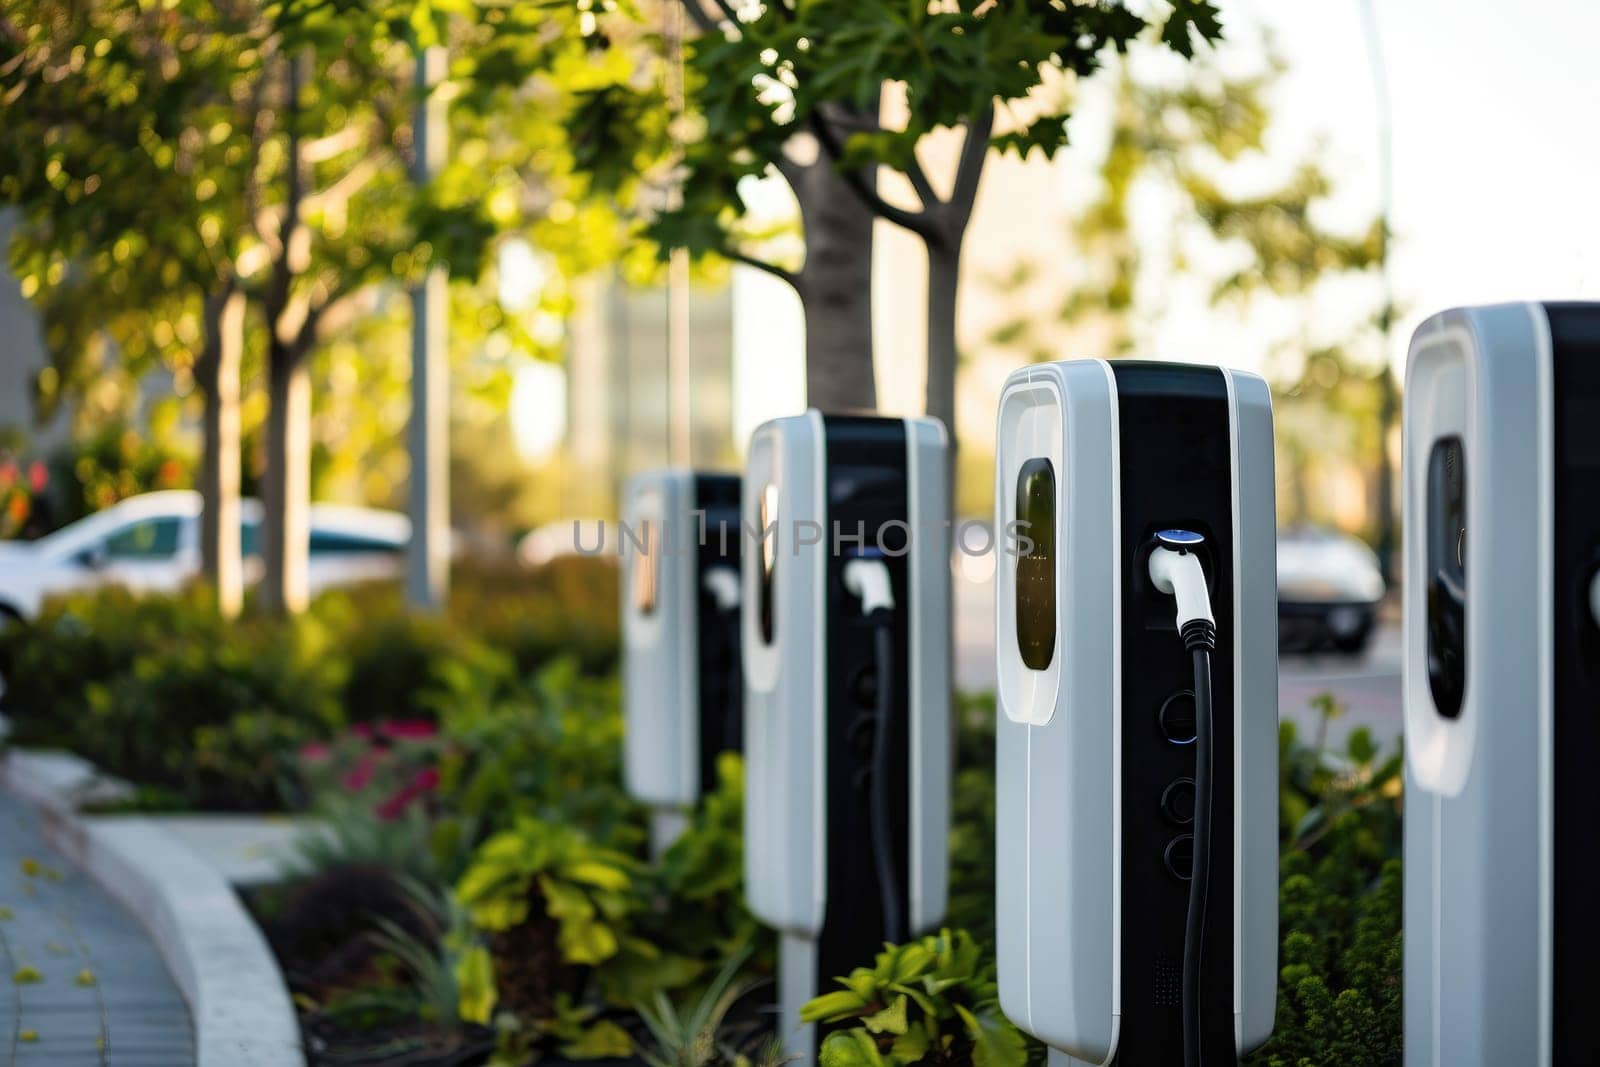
[972, 839]
[576, 936]
[77, 641]
[1339, 910]
[554, 909]
[931, 1001]
[551, 750]
[160, 691]
[195, 710]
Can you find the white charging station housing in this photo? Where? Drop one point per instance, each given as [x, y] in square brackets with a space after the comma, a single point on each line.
[679, 542]
[1077, 729]
[817, 491]
[1502, 525]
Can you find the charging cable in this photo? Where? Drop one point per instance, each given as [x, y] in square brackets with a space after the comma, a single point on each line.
[868, 579]
[1175, 569]
[722, 583]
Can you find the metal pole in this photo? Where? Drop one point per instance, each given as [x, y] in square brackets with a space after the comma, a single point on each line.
[428, 558]
[680, 433]
[1390, 402]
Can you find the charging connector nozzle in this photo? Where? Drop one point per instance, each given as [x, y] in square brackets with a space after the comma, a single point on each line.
[868, 579]
[1176, 570]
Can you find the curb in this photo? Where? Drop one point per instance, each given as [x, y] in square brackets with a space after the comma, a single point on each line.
[217, 955]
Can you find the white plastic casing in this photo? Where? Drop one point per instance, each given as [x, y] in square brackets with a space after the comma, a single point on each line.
[660, 671]
[786, 681]
[1058, 808]
[1478, 810]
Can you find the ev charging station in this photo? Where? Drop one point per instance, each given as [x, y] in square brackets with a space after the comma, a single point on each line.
[1502, 686]
[846, 642]
[682, 691]
[1137, 854]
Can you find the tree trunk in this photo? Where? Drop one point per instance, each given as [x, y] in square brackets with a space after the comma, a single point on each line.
[836, 290]
[1388, 412]
[218, 374]
[286, 489]
[944, 276]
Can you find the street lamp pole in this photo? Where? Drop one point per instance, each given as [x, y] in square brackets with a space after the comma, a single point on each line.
[1389, 405]
[428, 558]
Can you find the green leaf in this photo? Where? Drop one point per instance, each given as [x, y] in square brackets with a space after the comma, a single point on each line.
[563, 901]
[602, 1041]
[850, 1048]
[1191, 19]
[891, 1020]
[1361, 747]
[831, 1006]
[475, 979]
[913, 1045]
[995, 1042]
[600, 875]
[587, 942]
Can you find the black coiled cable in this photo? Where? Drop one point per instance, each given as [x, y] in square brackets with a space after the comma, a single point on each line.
[1200, 638]
[881, 818]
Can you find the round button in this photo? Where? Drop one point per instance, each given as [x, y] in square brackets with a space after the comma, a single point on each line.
[1180, 857]
[1177, 802]
[1178, 717]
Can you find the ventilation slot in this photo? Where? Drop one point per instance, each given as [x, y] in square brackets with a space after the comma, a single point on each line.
[1168, 982]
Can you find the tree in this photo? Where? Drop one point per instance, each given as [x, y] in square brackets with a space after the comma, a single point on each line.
[794, 89]
[172, 160]
[1250, 252]
[122, 217]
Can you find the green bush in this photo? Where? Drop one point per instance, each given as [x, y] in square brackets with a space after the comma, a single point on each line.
[1339, 904]
[86, 639]
[550, 750]
[565, 609]
[199, 711]
[932, 1001]
[576, 937]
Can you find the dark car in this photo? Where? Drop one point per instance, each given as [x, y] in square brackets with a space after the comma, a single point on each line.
[1329, 588]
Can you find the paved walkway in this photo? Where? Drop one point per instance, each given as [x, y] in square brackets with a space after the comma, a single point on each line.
[83, 986]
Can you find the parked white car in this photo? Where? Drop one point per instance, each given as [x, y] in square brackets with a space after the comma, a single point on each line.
[151, 543]
[1329, 589]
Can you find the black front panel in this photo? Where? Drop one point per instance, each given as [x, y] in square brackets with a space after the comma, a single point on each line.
[866, 479]
[1575, 337]
[1446, 575]
[1175, 474]
[1035, 594]
[721, 682]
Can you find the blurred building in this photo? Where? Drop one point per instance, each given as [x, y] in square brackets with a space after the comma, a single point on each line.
[619, 410]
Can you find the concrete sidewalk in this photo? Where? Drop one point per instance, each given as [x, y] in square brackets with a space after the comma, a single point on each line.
[84, 984]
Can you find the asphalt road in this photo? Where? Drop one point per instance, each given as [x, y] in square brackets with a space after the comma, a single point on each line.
[1366, 687]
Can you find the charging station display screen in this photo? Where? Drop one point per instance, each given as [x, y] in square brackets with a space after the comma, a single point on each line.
[647, 568]
[769, 559]
[1036, 567]
[1447, 575]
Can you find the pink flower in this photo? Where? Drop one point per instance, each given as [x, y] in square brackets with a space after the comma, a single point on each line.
[407, 729]
[360, 776]
[38, 476]
[8, 473]
[315, 752]
[392, 808]
[362, 730]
